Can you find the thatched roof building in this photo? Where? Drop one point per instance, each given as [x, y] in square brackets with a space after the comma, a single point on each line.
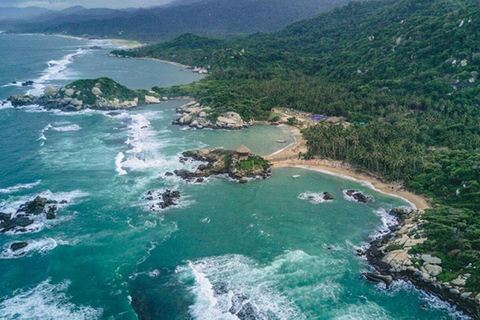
[243, 151]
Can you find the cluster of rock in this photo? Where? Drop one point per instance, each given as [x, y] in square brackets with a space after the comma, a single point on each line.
[219, 161]
[241, 306]
[196, 116]
[390, 255]
[358, 196]
[101, 95]
[23, 217]
[168, 198]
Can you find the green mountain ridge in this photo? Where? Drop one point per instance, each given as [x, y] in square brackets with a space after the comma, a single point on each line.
[221, 18]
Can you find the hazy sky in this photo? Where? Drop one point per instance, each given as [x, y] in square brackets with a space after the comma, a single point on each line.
[60, 4]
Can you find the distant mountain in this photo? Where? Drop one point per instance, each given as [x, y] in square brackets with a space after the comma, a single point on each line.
[10, 13]
[222, 18]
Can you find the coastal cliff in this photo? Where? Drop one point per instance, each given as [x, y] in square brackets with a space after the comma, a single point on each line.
[99, 94]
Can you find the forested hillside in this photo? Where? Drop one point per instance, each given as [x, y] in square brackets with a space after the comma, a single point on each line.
[408, 69]
[220, 18]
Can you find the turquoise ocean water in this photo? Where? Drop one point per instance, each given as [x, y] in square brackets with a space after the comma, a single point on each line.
[108, 256]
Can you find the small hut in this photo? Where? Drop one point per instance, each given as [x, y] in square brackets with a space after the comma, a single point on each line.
[243, 151]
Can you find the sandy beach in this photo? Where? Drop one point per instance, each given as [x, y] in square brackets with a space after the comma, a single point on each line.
[289, 157]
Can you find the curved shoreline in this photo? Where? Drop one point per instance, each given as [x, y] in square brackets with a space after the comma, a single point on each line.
[289, 157]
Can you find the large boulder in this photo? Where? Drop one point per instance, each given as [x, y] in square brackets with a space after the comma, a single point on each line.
[151, 99]
[69, 92]
[96, 91]
[433, 270]
[431, 260]
[36, 206]
[50, 91]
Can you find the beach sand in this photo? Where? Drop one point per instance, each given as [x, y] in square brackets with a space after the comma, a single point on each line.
[289, 157]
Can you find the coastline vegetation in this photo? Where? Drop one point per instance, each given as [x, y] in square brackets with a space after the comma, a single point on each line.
[407, 69]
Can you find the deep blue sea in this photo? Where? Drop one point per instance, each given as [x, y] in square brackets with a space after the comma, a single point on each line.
[271, 244]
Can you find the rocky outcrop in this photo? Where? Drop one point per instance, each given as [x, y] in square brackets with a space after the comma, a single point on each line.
[197, 116]
[393, 258]
[26, 214]
[358, 196]
[101, 94]
[219, 161]
[162, 199]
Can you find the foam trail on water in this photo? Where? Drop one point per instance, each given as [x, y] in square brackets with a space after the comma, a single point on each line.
[118, 164]
[66, 128]
[56, 70]
[42, 133]
[46, 301]
[20, 187]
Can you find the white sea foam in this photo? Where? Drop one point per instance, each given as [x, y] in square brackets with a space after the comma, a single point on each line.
[5, 105]
[388, 221]
[313, 197]
[44, 302]
[66, 128]
[40, 246]
[42, 133]
[56, 70]
[144, 146]
[20, 187]
[118, 164]
[222, 286]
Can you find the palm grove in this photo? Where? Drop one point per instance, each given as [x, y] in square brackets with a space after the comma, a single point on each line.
[408, 69]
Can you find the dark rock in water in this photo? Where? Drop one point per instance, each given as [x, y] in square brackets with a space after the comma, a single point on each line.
[169, 198]
[113, 114]
[237, 303]
[52, 201]
[36, 206]
[243, 180]
[220, 288]
[378, 278]
[328, 196]
[14, 82]
[14, 223]
[202, 167]
[168, 174]
[199, 180]
[28, 83]
[51, 214]
[18, 245]
[247, 312]
[5, 216]
[358, 196]
[184, 174]
[63, 202]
